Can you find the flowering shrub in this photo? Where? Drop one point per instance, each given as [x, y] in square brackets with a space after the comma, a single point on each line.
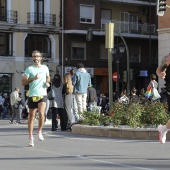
[133, 115]
[154, 113]
[90, 118]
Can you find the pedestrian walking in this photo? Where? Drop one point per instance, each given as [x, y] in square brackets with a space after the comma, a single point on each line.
[37, 77]
[68, 98]
[56, 104]
[163, 71]
[14, 99]
[152, 92]
[81, 81]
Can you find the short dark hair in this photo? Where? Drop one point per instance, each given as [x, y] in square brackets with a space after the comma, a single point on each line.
[80, 65]
[134, 90]
[153, 77]
[56, 80]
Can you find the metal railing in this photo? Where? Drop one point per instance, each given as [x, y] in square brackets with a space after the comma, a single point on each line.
[41, 18]
[142, 2]
[131, 27]
[9, 16]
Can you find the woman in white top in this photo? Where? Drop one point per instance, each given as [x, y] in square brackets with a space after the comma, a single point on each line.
[124, 99]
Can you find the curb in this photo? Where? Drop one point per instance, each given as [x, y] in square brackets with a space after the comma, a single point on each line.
[131, 133]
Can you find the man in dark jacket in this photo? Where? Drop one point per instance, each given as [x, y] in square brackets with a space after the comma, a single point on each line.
[103, 102]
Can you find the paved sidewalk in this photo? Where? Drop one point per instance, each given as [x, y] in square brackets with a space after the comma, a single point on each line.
[108, 131]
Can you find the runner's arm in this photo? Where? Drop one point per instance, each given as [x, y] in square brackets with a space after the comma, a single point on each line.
[26, 80]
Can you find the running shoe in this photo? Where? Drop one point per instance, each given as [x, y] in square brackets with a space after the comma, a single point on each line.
[31, 141]
[40, 136]
[10, 122]
[162, 134]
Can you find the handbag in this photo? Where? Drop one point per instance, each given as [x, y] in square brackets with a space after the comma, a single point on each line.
[155, 94]
[51, 94]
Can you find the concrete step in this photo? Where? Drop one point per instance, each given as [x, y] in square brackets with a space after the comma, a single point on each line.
[104, 131]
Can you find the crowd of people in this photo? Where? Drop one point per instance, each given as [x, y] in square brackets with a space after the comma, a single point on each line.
[72, 96]
[11, 106]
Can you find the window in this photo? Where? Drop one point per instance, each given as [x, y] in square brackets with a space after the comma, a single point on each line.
[38, 42]
[103, 52]
[129, 22]
[135, 53]
[2, 10]
[87, 14]
[6, 48]
[106, 16]
[6, 83]
[39, 11]
[78, 51]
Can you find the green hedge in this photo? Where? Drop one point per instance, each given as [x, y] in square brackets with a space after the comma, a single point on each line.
[129, 114]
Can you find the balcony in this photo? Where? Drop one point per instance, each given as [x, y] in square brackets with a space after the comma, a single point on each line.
[9, 16]
[41, 18]
[137, 2]
[131, 27]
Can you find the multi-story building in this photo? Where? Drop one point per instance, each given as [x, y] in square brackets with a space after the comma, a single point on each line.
[26, 26]
[135, 20]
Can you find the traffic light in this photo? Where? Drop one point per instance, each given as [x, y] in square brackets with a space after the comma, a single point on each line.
[125, 76]
[161, 7]
[89, 35]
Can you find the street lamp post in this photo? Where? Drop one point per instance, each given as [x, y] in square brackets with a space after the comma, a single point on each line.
[89, 38]
[128, 62]
[117, 52]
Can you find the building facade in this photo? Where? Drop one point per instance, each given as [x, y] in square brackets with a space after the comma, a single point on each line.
[135, 20]
[26, 26]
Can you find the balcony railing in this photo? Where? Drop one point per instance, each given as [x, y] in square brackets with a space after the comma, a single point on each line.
[9, 16]
[131, 27]
[141, 2]
[40, 18]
